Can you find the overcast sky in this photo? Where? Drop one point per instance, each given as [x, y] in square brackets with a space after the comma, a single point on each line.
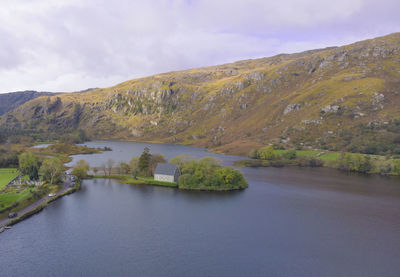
[70, 45]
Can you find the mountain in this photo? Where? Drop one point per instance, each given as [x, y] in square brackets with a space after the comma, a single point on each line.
[10, 101]
[339, 98]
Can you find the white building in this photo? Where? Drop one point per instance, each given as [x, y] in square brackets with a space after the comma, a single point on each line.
[167, 173]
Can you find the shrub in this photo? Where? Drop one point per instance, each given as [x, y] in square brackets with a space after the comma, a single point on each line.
[355, 162]
[80, 170]
[385, 168]
[267, 153]
[290, 155]
[396, 166]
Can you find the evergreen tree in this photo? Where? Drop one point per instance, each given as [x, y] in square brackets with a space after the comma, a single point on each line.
[144, 161]
[33, 173]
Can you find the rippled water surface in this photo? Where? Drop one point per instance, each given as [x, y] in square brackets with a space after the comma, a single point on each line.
[289, 222]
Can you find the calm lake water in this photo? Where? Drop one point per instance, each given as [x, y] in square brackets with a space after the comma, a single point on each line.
[289, 222]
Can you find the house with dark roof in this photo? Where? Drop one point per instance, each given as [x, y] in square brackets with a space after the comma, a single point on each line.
[166, 172]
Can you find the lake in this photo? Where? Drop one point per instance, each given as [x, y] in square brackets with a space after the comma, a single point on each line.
[289, 222]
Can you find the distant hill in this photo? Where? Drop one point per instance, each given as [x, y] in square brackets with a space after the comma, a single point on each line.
[340, 98]
[9, 101]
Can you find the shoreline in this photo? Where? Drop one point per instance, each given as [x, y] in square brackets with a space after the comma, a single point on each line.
[39, 206]
[246, 161]
[255, 163]
[124, 180]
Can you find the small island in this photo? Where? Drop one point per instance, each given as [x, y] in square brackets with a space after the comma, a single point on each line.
[182, 172]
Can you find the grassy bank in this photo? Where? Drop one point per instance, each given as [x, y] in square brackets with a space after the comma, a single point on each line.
[139, 181]
[364, 163]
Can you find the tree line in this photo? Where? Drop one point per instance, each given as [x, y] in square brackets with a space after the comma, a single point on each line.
[144, 165]
[207, 173]
[52, 169]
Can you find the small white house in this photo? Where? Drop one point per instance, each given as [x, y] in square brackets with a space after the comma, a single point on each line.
[166, 172]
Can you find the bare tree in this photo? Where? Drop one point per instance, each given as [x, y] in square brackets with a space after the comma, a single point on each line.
[154, 160]
[134, 166]
[123, 168]
[103, 168]
[110, 164]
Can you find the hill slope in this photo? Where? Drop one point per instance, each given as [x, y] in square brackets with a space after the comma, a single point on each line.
[10, 101]
[336, 98]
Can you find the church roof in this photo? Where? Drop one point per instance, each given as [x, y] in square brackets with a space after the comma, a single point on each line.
[166, 169]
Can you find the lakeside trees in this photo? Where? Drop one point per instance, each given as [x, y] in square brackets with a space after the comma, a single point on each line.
[154, 160]
[355, 162]
[134, 166]
[208, 174]
[345, 161]
[29, 165]
[146, 164]
[53, 170]
[280, 157]
[396, 167]
[109, 165]
[80, 169]
[123, 168]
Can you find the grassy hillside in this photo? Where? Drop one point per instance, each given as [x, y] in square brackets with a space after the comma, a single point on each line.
[10, 101]
[342, 98]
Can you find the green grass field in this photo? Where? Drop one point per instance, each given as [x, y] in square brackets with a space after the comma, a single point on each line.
[304, 153]
[8, 199]
[330, 156]
[139, 181]
[7, 175]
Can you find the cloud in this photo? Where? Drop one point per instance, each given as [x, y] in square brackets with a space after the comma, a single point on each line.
[69, 45]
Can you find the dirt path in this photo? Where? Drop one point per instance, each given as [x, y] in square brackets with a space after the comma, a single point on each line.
[33, 206]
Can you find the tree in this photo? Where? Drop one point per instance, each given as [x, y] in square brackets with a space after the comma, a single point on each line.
[95, 170]
[103, 168]
[154, 160]
[134, 166]
[110, 163]
[144, 161]
[181, 160]
[53, 170]
[33, 173]
[29, 165]
[355, 162]
[80, 169]
[290, 155]
[123, 168]
[396, 166]
[230, 176]
[208, 173]
[267, 153]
